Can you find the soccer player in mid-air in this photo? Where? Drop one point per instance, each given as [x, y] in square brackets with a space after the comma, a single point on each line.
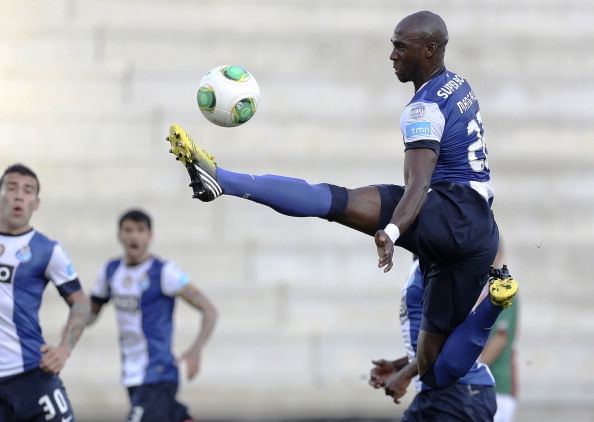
[30, 388]
[143, 289]
[442, 214]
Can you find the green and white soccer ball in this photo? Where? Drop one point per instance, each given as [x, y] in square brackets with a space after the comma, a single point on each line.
[228, 95]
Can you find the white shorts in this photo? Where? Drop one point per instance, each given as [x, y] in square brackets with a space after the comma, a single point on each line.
[506, 407]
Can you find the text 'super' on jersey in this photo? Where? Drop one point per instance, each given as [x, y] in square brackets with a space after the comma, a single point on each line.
[27, 262]
[411, 312]
[444, 116]
[144, 299]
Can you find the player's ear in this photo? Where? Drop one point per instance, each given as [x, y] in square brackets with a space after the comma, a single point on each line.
[36, 204]
[430, 49]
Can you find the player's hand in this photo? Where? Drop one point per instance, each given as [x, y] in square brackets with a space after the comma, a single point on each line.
[54, 358]
[385, 250]
[380, 372]
[192, 357]
[396, 385]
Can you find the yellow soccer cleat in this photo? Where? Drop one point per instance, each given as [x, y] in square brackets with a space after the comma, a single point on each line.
[502, 287]
[201, 165]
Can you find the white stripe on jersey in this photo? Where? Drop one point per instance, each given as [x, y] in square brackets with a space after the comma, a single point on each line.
[19, 251]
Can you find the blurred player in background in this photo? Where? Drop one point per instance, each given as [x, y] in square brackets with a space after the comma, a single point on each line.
[499, 354]
[443, 214]
[143, 289]
[30, 388]
[471, 399]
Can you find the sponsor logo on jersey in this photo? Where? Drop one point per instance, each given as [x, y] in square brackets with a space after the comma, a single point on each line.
[127, 281]
[126, 303]
[417, 112]
[6, 272]
[24, 254]
[450, 87]
[418, 129]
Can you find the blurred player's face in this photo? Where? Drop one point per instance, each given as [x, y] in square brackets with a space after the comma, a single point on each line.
[18, 201]
[135, 237]
[407, 53]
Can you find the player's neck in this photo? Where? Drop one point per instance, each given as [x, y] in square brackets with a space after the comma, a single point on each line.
[14, 231]
[426, 75]
[133, 261]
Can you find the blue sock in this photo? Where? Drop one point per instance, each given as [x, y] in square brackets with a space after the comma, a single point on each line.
[289, 196]
[465, 344]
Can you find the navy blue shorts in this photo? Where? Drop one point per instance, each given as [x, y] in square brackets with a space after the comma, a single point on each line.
[34, 396]
[156, 403]
[456, 403]
[456, 239]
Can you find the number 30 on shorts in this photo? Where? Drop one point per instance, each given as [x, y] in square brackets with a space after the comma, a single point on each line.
[49, 406]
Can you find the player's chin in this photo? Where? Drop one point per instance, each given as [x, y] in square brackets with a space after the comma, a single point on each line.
[402, 77]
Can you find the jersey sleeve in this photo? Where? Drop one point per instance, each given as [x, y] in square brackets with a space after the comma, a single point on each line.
[173, 279]
[101, 291]
[59, 268]
[422, 124]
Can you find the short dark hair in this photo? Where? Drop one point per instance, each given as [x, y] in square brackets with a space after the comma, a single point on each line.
[22, 170]
[136, 215]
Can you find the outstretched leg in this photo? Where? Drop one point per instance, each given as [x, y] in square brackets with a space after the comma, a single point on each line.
[360, 209]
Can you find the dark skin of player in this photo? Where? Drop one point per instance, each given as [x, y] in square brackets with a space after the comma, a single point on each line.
[418, 53]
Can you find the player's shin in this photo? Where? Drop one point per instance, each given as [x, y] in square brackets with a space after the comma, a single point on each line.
[463, 346]
[287, 195]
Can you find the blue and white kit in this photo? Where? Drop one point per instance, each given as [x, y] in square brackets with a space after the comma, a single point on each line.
[444, 115]
[27, 263]
[143, 296]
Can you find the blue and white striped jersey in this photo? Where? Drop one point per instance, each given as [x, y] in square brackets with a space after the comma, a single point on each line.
[411, 311]
[444, 115]
[27, 262]
[144, 298]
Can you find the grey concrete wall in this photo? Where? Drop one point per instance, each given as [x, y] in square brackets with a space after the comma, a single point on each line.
[88, 89]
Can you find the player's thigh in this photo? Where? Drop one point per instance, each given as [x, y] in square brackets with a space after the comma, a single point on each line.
[452, 289]
[153, 402]
[39, 397]
[370, 208]
[455, 221]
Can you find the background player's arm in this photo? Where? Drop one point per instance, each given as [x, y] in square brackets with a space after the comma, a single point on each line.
[96, 306]
[54, 358]
[494, 347]
[397, 383]
[199, 301]
[382, 369]
[419, 164]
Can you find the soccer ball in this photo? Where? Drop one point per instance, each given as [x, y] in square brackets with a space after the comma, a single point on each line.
[228, 95]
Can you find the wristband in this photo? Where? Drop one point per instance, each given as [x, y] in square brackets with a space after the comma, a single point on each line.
[393, 232]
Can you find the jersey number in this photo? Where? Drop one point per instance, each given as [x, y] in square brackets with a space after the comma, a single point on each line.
[477, 151]
[47, 405]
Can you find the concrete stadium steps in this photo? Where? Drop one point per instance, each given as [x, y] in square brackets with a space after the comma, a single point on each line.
[63, 88]
[23, 43]
[89, 89]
